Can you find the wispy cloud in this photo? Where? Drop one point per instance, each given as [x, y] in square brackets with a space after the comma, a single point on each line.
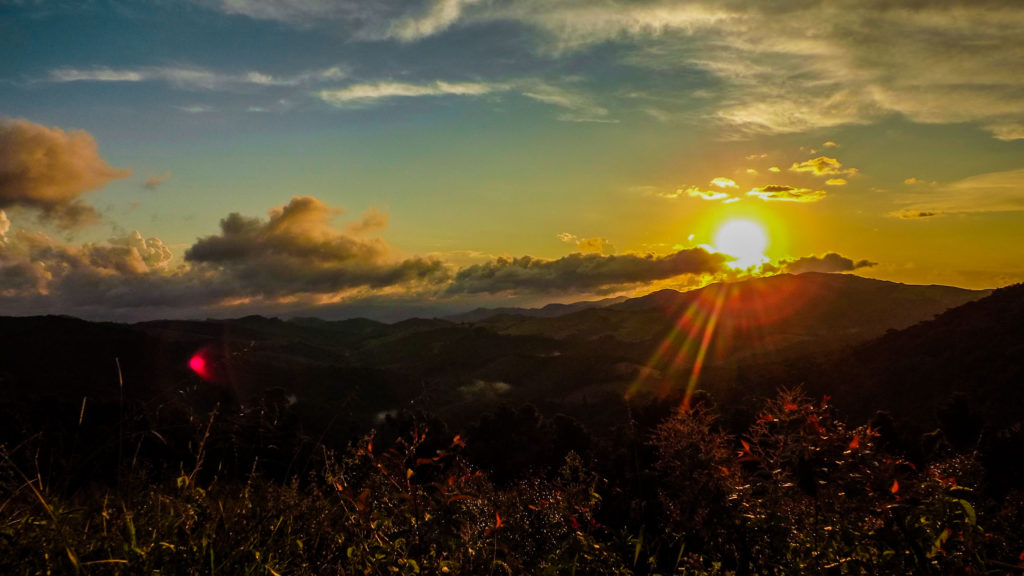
[357, 94]
[991, 192]
[194, 78]
[577, 106]
[778, 67]
[438, 17]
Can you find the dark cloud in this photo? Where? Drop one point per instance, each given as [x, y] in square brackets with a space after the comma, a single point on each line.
[48, 169]
[830, 262]
[581, 272]
[916, 214]
[298, 251]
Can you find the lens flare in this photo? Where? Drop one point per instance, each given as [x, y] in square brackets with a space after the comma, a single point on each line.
[197, 363]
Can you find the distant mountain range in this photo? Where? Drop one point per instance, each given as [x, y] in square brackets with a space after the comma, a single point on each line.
[345, 374]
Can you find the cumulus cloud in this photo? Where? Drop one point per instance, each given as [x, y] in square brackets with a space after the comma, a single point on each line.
[822, 166]
[783, 193]
[297, 250]
[836, 182]
[585, 273]
[48, 170]
[43, 275]
[151, 251]
[154, 182]
[830, 262]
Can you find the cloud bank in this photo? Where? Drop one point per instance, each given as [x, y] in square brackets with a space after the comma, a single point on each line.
[581, 273]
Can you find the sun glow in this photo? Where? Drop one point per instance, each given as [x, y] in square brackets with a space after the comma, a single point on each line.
[743, 239]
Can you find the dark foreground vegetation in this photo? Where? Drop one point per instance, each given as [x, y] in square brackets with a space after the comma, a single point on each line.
[798, 491]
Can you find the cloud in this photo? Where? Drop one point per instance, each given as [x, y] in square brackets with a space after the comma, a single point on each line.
[830, 144]
[372, 219]
[723, 182]
[776, 67]
[196, 108]
[830, 262]
[791, 67]
[781, 192]
[297, 250]
[5, 226]
[775, 169]
[914, 214]
[440, 15]
[694, 192]
[579, 108]
[822, 166]
[991, 192]
[581, 273]
[357, 94]
[152, 251]
[836, 182]
[154, 182]
[588, 245]
[193, 78]
[48, 170]
[43, 275]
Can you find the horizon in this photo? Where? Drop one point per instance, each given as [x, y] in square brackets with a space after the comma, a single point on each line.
[208, 159]
[391, 316]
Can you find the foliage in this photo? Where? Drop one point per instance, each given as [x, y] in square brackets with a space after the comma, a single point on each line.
[797, 491]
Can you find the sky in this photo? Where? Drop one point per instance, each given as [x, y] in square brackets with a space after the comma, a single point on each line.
[218, 158]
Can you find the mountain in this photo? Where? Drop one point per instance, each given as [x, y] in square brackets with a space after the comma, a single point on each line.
[353, 371]
[972, 355]
[782, 314]
[548, 311]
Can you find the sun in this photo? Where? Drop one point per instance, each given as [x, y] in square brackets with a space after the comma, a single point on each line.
[743, 239]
